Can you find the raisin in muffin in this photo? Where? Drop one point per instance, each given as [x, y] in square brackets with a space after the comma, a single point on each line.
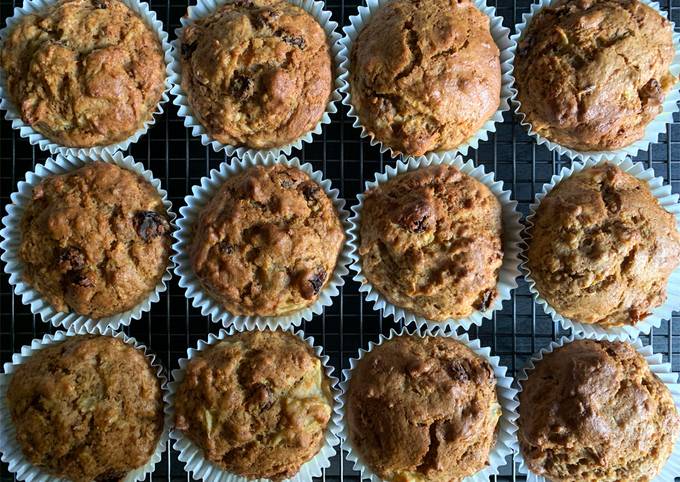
[84, 72]
[602, 248]
[95, 240]
[425, 76]
[87, 408]
[257, 403]
[594, 411]
[257, 73]
[430, 242]
[422, 409]
[267, 242]
[591, 74]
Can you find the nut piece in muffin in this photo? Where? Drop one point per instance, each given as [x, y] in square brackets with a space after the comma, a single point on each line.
[84, 72]
[257, 404]
[257, 73]
[594, 411]
[423, 409]
[425, 75]
[602, 248]
[430, 242]
[95, 240]
[591, 74]
[267, 242]
[87, 408]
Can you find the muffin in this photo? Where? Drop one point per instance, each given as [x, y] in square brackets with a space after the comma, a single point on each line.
[602, 248]
[267, 242]
[95, 240]
[422, 409]
[593, 411]
[257, 73]
[87, 408]
[425, 76]
[591, 74]
[430, 242]
[84, 73]
[257, 404]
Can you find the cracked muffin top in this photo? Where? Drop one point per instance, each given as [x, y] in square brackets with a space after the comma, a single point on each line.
[602, 248]
[257, 73]
[267, 242]
[257, 403]
[86, 408]
[95, 240]
[591, 74]
[430, 242]
[84, 72]
[423, 409]
[425, 75]
[593, 411]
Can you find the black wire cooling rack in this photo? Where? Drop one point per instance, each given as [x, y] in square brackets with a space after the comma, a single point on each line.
[179, 161]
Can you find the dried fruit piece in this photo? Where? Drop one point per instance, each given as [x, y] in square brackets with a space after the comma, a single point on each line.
[310, 191]
[81, 278]
[71, 259]
[417, 218]
[226, 247]
[312, 282]
[294, 40]
[241, 86]
[100, 4]
[150, 225]
[485, 300]
[187, 49]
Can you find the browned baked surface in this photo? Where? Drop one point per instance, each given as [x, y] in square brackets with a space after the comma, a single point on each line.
[257, 73]
[84, 72]
[425, 74]
[257, 403]
[88, 408]
[423, 409]
[95, 240]
[602, 248]
[267, 242]
[430, 242]
[591, 74]
[593, 411]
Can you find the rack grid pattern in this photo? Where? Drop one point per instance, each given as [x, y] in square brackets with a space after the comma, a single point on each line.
[179, 161]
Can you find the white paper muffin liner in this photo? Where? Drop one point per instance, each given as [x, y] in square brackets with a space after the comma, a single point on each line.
[655, 361]
[201, 195]
[505, 431]
[142, 9]
[654, 128]
[10, 241]
[666, 199]
[204, 8]
[512, 240]
[500, 35]
[191, 454]
[10, 450]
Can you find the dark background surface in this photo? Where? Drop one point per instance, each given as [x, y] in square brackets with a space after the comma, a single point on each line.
[179, 161]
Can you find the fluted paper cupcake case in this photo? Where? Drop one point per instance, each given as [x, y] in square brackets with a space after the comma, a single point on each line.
[500, 35]
[656, 127]
[655, 361]
[10, 450]
[10, 241]
[192, 455]
[34, 137]
[206, 7]
[512, 229]
[666, 199]
[505, 432]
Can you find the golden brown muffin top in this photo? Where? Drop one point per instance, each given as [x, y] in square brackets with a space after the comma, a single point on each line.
[591, 74]
[602, 248]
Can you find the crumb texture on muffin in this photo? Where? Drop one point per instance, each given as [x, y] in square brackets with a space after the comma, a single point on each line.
[258, 73]
[594, 411]
[87, 408]
[591, 74]
[430, 242]
[425, 74]
[602, 248]
[267, 242]
[256, 403]
[84, 72]
[95, 240]
[423, 409]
